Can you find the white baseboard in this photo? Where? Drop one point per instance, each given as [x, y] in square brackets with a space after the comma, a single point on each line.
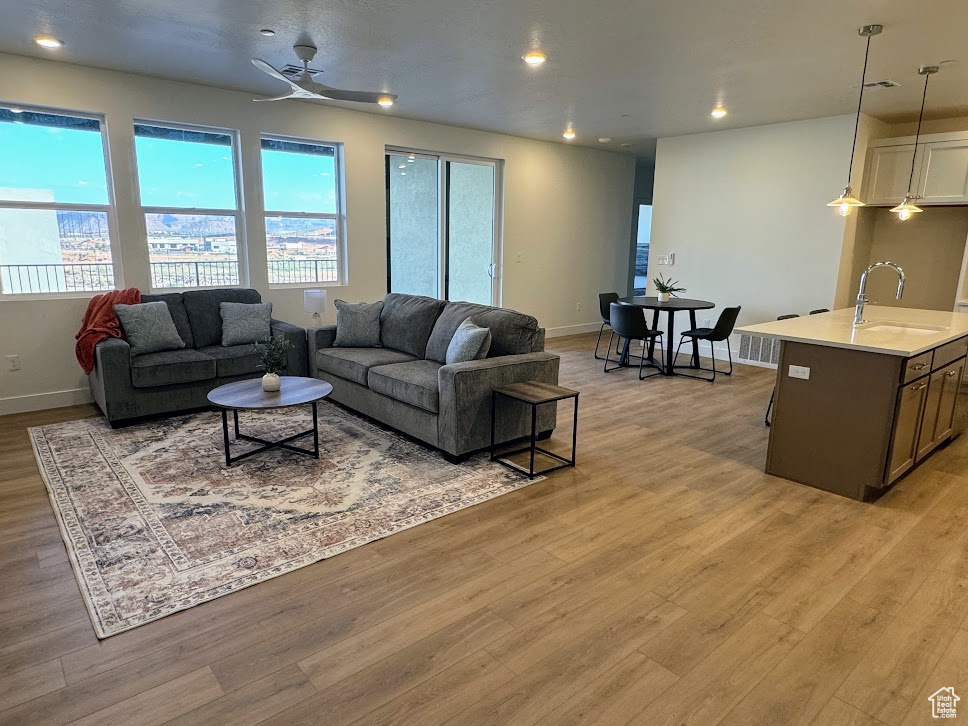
[39, 401]
[572, 330]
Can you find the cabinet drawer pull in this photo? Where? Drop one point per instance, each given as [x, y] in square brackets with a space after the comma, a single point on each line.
[920, 366]
[918, 388]
[950, 373]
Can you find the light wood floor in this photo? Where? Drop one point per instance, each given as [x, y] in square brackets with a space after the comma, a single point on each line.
[666, 580]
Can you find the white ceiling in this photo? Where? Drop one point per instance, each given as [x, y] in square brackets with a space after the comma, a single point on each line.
[629, 70]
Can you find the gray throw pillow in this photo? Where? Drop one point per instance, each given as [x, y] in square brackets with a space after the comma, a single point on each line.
[148, 327]
[470, 342]
[358, 324]
[245, 322]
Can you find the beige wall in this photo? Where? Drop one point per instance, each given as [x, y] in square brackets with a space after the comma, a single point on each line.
[744, 212]
[929, 247]
[567, 210]
[929, 126]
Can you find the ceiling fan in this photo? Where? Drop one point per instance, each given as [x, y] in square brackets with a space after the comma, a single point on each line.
[305, 87]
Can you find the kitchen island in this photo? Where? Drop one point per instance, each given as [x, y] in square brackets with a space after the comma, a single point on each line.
[858, 407]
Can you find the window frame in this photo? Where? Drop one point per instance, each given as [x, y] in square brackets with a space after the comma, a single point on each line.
[110, 209]
[241, 247]
[339, 217]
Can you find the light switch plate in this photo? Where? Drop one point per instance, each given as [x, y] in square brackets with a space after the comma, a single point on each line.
[801, 372]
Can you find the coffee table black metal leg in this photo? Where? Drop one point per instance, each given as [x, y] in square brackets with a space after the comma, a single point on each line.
[534, 437]
[225, 436]
[315, 431]
[695, 341]
[235, 417]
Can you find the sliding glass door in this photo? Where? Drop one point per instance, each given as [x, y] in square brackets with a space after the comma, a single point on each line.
[442, 229]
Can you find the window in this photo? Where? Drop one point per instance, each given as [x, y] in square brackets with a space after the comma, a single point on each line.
[643, 235]
[190, 199]
[54, 204]
[300, 186]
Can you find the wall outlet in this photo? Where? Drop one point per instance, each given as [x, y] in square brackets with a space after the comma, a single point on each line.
[801, 372]
[669, 259]
[707, 323]
[518, 257]
[13, 362]
[578, 306]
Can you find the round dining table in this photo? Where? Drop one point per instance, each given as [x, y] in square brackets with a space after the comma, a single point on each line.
[671, 307]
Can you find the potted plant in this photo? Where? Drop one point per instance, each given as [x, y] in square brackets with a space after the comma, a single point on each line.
[274, 354]
[664, 288]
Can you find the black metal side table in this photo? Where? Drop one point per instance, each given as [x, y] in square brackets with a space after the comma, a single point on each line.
[533, 393]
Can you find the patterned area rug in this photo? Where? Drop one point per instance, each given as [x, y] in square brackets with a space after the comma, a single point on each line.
[155, 523]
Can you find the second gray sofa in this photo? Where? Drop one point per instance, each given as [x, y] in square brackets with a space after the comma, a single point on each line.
[407, 385]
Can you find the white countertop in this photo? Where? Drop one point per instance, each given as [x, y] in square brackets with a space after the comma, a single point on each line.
[895, 331]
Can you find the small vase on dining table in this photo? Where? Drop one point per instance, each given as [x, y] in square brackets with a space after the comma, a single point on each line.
[662, 296]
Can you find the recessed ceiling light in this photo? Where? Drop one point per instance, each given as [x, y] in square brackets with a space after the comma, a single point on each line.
[569, 134]
[402, 166]
[403, 173]
[411, 157]
[47, 41]
[267, 32]
[534, 58]
[385, 101]
[604, 140]
[718, 112]
[16, 110]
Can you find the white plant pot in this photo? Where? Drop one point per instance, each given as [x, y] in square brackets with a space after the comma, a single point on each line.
[663, 296]
[270, 382]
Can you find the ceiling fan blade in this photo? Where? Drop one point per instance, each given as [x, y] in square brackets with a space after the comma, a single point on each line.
[269, 70]
[277, 98]
[335, 94]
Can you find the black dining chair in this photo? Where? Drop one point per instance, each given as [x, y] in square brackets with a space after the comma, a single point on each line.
[628, 322]
[718, 333]
[605, 299]
[769, 406]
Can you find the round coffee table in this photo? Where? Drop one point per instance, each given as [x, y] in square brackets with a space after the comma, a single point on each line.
[248, 395]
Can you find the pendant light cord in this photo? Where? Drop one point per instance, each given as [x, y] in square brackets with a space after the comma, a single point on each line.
[917, 135]
[860, 101]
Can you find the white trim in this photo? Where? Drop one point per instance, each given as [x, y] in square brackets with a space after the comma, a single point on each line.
[40, 401]
[572, 330]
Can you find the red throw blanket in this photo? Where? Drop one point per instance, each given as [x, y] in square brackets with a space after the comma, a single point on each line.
[101, 323]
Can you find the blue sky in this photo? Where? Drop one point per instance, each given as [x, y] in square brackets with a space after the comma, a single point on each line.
[70, 163]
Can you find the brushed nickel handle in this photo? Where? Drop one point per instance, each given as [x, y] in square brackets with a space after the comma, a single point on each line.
[918, 388]
[950, 373]
[920, 366]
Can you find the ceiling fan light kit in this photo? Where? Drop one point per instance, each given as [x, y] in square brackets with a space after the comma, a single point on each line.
[847, 201]
[304, 87]
[907, 207]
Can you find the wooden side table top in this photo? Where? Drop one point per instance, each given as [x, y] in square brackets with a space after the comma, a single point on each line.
[536, 392]
[248, 394]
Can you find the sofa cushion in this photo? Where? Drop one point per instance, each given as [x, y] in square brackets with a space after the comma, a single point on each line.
[204, 311]
[234, 360]
[179, 315]
[358, 324]
[406, 322]
[354, 363]
[512, 332]
[245, 322]
[414, 383]
[470, 342]
[171, 367]
[148, 327]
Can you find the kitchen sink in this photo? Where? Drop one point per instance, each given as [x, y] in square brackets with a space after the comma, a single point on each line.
[897, 328]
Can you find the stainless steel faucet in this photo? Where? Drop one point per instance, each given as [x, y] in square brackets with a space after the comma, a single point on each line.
[862, 292]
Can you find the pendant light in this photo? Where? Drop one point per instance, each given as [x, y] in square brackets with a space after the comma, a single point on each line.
[906, 208]
[847, 201]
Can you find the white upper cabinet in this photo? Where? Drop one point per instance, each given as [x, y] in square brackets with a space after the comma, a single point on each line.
[944, 173]
[940, 170]
[888, 171]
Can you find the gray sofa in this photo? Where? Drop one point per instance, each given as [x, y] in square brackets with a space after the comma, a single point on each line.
[129, 387]
[406, 385]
